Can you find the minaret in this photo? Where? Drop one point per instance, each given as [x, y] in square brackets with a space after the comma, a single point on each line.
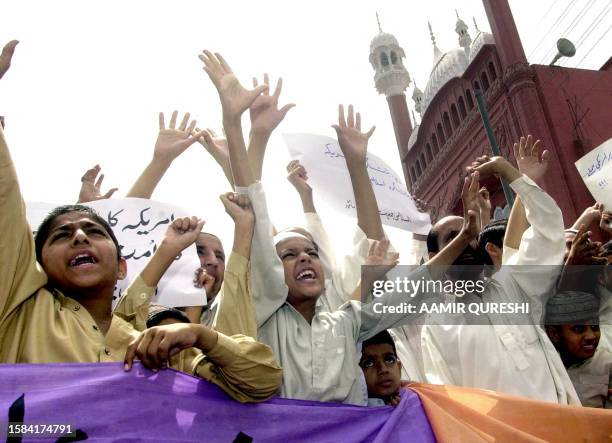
[437, 53]
[464, 36]
[392, 79]
[417, 97]
[507, 40]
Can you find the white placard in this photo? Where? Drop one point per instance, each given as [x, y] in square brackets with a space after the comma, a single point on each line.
[329, 178]
[140, 225]
[595, 168]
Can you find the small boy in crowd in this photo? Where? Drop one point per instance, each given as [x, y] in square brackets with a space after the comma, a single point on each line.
[382, 370]
[572, 324]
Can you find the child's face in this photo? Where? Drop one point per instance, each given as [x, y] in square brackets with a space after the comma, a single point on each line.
[304, 273]
[580, 341]
[79, 254]
[382, 370]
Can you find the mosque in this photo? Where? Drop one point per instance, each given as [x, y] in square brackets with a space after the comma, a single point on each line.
[569, 109]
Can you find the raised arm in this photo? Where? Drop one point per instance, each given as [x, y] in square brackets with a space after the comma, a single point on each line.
[265, 117]
[236, 311]
[354, 146]
[267, 273]
[235, 99]
[90, 187]
[298, 177]
[20, 277]
[217, 148]
[529, 162]
[439, 264]
[182, 233]
[171, 142]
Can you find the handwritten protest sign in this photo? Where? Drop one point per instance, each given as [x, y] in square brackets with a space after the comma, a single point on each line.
[139, 226]
[595, 168]
[329, 177]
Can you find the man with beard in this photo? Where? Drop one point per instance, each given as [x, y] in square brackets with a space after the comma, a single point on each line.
[507, 353]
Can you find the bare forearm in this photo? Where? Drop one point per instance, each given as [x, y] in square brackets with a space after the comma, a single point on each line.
[517, 225]
[239, 161]
[194, 313]
[307, 202]
[485, 217]
[447, 256]
[368, 216]
[157, 266]
[258, 140]
[149, 179]
[207, 338]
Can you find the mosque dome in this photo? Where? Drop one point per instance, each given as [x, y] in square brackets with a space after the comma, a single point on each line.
[448, 65]
[481, 39]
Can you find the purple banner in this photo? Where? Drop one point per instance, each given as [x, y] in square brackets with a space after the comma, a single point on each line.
[101, 402]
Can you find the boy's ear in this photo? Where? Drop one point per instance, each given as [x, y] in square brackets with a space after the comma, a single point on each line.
[553, 334]
[493, 249]
[399, 364]
[122, 269]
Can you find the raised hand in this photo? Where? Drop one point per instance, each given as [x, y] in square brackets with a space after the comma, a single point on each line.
[527, 155]
[6, 56]
[484, 202]
[487, 166]
[204, 280]
[238, 206]
[217, 147]
[605, 223]
[265, 115]
[583, 250]
[90, 187]
[172, 141]
[235, 99]
[471, 210]
[298, 177]
[353, 142]
[484, 205]
[181, 233]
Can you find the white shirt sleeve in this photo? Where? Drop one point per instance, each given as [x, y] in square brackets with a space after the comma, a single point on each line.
[268, 286]
[536, 265]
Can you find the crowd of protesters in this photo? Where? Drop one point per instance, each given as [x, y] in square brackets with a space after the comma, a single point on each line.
[285, 316]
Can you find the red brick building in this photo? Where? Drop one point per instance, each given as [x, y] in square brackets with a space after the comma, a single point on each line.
[570, 110]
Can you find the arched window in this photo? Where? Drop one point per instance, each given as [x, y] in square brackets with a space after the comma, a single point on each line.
[462, 110]
[476, 85]
[412, 174]
[384, 60]
[423, 162]
[447, 125]
[418, 166]
[485, 81]
[434, 143]
[492, 71]
[470, 101]
[428, 152]
[455, 116]
[441, 137]
[393, 58]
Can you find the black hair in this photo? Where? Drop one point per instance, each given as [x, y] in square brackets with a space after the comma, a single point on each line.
[42, 233]
[494, 233]
[382, 338]
[432, 241]
[159, 313]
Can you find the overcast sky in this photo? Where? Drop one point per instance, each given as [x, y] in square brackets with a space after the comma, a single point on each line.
[89, 78]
